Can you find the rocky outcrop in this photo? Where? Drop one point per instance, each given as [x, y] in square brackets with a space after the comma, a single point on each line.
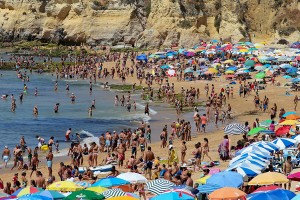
[149, 23]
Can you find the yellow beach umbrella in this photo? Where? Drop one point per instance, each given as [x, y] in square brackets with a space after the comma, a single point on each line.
[244, 50]
[289, 122]
[229, 61]
[213, 70]
[97, 189]
[229, 72]
[122, 198]
[269, 178]
[203, 180]
[64, 186]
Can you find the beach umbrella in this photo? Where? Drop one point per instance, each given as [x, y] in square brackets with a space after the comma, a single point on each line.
[227, 193]
[110, 182]
[292, 117]
[3, 195]
[226, 179]
[260, 75]
[171, 72]
[284, 143]
[213, 70]
[289, 122]
[235, 129]
[282, 130]
[296, 197]
[258, 151]
[288, 113]
[285, 66]
[97, 189]
[31, 197]
[277, 194]
[267, 123]
[294, 176]
[233, 68]
[188, 70]
[287, 77]
[173, 196]
[208, 188]
[113, 193]
[165, 67]
[269, 178]
[269, 146]
[297, 138]
[159, 186]
[246, 170]
[260, 68]
[27, 190]
[292, 70]
[295, 80]
[49, 194]
[84, 195]
[229, 61]
[255, 131]
[244, 165]
[266, 188]
[203, 179]
[64, 186]
[269, 132]
[249, 63]
[83, 184]
[133, 177]
[229, 72]
[122, 198]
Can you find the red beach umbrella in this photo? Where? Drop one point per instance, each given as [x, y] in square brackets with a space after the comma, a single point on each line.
[294, 176]
[282, 130]
[266, 188]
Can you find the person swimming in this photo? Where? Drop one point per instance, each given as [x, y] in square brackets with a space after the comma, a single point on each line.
[4, 96]
[73, 97]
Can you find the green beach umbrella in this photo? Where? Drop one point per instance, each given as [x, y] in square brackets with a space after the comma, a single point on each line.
[255, 131]
[85, 195]
[250, 63]
[260, 75]
[252, 49]
[267, 123]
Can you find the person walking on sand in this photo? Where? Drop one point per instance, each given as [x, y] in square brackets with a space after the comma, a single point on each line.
[206, 149]
[6, 155]
[49, 159]
[296, 99]
[183, 152]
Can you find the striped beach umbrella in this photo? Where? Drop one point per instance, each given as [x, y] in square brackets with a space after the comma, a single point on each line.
[235, 129]
[284, 143]
[159, 186]
[269, 146]
[113, 193]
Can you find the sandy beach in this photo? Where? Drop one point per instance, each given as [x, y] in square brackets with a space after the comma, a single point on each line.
[243, 110]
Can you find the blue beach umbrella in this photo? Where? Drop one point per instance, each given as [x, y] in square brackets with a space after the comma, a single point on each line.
[278, 194]
[142, 57]
[288, 113]
[188, 70]
[285, 66]
[269, 146]
[32, 197]
[287, 77]
[259, 164]
[246, 165]
[208, 188]
[165, 67]
[110, 182]
[284, 143]
[295, 80]
[173, 196]
[245, 171]
[292, 70]
[296, 197]
[233, 68]
[215, 41]
[226, 179]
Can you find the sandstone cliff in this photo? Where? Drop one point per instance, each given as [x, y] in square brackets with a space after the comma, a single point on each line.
[149, 23]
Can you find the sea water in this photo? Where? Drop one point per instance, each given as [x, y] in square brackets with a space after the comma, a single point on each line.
[106, 116]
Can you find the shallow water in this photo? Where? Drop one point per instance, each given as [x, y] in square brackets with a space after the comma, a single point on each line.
[22, 123]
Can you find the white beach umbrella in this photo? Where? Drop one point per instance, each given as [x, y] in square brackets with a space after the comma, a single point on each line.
[133, 177]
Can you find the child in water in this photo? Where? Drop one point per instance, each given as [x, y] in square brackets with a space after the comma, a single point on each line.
[57, 146]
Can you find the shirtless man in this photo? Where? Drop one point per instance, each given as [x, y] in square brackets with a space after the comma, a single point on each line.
[51, 142]
[40, 180]
[68, 134]
[148, 160]
[287, 169]
[134, 147]
[102, 143]
[121, 155]
[148, 134]
[143, 143]
[6, 155]
[183, 152]
[49, 159]
[34, 162]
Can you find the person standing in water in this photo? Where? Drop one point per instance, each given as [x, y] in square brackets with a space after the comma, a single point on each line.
[35, 111]
[56, 108]
[35, 91]
[147, 109]
[68, 133]
[73, 97]
[91, 111]
[67, 88]
[55, 86]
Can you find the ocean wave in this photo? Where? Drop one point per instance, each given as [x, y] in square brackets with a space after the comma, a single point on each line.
[151, 111]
